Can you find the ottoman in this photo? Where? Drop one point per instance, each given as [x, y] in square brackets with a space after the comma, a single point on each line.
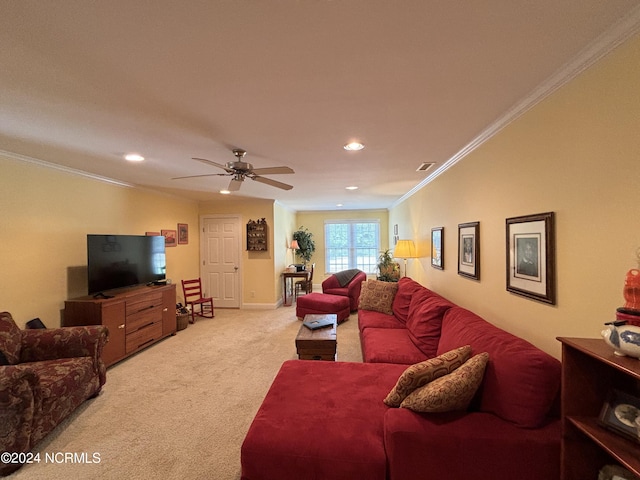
[320, 303]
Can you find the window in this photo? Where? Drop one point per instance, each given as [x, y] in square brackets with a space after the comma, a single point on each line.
[351, 244]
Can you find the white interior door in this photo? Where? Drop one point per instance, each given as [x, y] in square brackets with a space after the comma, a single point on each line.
[220, 256]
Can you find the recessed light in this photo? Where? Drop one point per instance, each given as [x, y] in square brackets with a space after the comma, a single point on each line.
[351, 187]
[225, 192]
[133, 157]
[339, 205]
[353, 146]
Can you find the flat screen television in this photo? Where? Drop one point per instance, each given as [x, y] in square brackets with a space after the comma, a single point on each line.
[118, 261]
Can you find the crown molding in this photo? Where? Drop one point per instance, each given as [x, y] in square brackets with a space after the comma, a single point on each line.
[62, 168]
[596, 50]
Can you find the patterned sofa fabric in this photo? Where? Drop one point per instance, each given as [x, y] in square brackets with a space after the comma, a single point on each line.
[67, 342]
[53, 372]
[20, 403]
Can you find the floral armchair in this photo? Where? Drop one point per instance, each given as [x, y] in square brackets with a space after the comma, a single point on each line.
[45, 374]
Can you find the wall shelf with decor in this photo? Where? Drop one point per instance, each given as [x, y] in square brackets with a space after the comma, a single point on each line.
[257, 236]
[590, 373]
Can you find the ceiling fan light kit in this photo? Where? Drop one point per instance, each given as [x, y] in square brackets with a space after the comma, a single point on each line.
[239, 170]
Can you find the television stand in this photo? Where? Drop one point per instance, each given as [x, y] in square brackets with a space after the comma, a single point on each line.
[102, 295]
[136, 318]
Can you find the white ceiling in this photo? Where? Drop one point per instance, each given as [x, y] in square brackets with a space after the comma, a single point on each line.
[290, 81]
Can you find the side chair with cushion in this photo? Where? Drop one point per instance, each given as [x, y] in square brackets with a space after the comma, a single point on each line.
[45, 374]
[200, 306]
[306, 284]
[346, 283]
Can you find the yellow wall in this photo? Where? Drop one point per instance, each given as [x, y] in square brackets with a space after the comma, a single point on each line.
[44, 219]
[314, 222]
[577, 153]
[284, 226]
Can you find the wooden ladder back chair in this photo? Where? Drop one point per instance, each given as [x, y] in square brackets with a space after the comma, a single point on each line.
[306, 284]
[200, 306]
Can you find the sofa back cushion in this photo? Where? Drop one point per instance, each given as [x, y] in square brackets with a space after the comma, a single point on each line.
[402, 301]
[424, 321]
[10, 338]
[377, 296]
[521, 381]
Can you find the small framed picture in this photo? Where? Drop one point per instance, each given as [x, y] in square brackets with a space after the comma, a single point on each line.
[183, 234]
[469, 250]
[169, 237]
[531, 256]
[621, 414]
[437, 248]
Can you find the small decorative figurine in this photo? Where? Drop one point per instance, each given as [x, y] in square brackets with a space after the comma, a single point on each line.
[623, 338]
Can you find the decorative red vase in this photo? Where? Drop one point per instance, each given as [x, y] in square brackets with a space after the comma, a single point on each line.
[632, 290]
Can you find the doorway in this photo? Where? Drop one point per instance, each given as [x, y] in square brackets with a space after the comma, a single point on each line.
[220, 268]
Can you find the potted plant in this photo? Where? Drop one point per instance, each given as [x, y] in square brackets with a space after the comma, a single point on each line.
[306, 245]
[389, 271]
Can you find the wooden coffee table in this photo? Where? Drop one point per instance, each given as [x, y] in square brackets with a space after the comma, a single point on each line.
[320, 344]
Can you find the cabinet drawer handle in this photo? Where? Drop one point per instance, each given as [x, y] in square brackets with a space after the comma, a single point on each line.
[145, 343]
[121, 326]
[145, 326]
[165, 309]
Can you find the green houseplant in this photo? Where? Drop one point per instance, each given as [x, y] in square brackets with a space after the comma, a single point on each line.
[389, 271]
[306, 245]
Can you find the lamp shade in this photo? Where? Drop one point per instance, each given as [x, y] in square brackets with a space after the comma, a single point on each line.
[405, 249]
[294, 245]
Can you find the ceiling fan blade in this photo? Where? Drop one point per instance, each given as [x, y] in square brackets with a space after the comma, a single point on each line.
[204, 175]
[273, 183]
[209, 162]
[234, 185]
[272, 170]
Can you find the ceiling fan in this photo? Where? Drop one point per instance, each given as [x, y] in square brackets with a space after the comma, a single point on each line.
[240, 170]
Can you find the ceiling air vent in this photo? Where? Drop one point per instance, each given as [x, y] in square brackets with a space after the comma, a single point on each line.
[424, 167]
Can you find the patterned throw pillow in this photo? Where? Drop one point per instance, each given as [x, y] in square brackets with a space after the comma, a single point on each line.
[420, 374]
[449, 392]
[377, 296]
[10, 338]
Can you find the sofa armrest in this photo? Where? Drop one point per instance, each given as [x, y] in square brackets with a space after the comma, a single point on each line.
[20, 403]
[330, 282]
[461, 445]
[66, 342]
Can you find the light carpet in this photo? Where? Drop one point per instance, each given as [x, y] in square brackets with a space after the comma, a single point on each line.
[181, 408]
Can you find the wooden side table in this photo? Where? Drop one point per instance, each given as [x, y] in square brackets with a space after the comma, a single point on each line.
[320, 344]
[292, 276]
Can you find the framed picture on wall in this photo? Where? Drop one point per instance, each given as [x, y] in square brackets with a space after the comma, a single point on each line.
[469, 250]
[437, 248]
[183, 234]
[169, 237]
[531, 256]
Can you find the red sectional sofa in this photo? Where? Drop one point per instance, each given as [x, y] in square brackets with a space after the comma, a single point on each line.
[327, 420]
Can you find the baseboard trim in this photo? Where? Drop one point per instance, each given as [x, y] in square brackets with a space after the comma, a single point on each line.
[262, 306]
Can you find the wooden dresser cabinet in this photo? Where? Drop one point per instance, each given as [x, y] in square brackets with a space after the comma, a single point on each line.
[136, 318]
[590, 370]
